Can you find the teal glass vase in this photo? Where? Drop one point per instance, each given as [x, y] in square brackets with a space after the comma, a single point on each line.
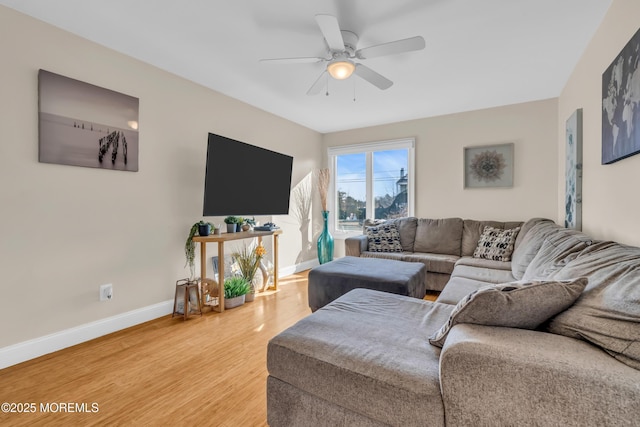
[325, 241]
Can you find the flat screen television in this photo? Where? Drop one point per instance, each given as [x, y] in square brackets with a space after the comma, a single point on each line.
[242, 179]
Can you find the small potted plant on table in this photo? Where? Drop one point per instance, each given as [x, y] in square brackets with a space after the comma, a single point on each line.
[233, 223]
[235, 289]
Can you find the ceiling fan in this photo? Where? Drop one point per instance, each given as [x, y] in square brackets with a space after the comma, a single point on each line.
[342, 54]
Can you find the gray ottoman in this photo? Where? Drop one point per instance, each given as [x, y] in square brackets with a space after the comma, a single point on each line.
[334, 279]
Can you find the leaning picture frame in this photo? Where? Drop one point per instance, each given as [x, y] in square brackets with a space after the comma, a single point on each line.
[488, 166]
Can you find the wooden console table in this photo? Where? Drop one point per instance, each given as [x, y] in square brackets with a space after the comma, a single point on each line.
[227, 237]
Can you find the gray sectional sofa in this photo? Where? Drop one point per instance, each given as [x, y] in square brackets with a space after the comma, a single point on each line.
[366, 359]
[438, 243]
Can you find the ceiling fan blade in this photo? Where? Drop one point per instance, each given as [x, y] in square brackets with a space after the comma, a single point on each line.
[300, 60]
[372, 77]
[331, 31]
[318, 85]
[391, 48]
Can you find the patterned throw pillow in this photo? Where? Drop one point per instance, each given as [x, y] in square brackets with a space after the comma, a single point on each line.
[496, 244]
[513, 305]
[383, 238]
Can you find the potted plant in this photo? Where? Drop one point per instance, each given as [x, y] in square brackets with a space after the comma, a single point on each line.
[235, 289]
[231, 224]
[239, 221]
[249, 261]
[248, 224]
[190, 246]
[204, 228]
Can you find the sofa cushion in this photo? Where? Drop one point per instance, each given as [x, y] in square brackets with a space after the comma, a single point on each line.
[528, 244]
[383, 238]
[458, 288]
[439, 236]
[608, 312]
[552, 256]
[407, 230]
[496, 244]
[526, 226]
[471, 274]
[483, 274]
[530, 239]
[493, 376]
[513, 305]
[384, 255]
[436, 281]
[484, 263]
[366, 352]
[437, 263]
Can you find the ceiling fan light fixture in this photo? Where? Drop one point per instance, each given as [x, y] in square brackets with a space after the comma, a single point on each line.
[341, 69]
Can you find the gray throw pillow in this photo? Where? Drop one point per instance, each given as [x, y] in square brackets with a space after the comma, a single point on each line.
[496, 244]
[513, 305]
[383, 238]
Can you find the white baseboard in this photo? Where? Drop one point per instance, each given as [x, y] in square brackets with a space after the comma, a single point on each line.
[306, 265]
[27, 350]
[37, 347]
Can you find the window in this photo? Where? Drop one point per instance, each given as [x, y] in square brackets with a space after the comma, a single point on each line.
[371, 181]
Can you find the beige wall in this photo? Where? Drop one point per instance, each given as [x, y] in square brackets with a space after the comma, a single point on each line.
[610, 203]
[439, 160]
[66, 230]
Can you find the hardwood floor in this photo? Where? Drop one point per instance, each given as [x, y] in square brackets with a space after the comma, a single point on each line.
[208, 370]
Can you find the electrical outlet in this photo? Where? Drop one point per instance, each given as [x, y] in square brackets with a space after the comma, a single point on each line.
[106, 292]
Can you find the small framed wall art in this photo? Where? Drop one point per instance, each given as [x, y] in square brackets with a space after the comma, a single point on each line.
[85, 125]
[488, 166]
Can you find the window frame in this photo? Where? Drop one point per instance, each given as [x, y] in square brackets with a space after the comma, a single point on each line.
[368, 149]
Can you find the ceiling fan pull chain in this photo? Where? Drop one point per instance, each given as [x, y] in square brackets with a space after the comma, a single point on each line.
[327, 94]
[354, 90]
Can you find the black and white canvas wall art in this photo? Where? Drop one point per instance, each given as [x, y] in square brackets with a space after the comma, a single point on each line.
[488, 166]
[573, 172]
[85, 125]
[621, 104]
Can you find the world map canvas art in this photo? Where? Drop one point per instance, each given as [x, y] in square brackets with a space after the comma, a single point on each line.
[621, 104]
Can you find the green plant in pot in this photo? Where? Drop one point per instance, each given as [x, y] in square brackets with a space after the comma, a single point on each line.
[235, 289]
[190, 245]
[249, 262]
[233, 223]
[204, 228]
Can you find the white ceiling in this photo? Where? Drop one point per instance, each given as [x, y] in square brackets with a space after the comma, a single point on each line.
[479, 53]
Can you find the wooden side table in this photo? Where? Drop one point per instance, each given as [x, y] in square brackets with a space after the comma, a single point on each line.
[187, 285]
[226, 237]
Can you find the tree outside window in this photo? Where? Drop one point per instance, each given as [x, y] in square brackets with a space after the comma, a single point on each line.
[371, 181]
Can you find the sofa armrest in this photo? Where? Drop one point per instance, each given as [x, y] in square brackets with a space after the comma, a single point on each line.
[505, 376]
[354, 246]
